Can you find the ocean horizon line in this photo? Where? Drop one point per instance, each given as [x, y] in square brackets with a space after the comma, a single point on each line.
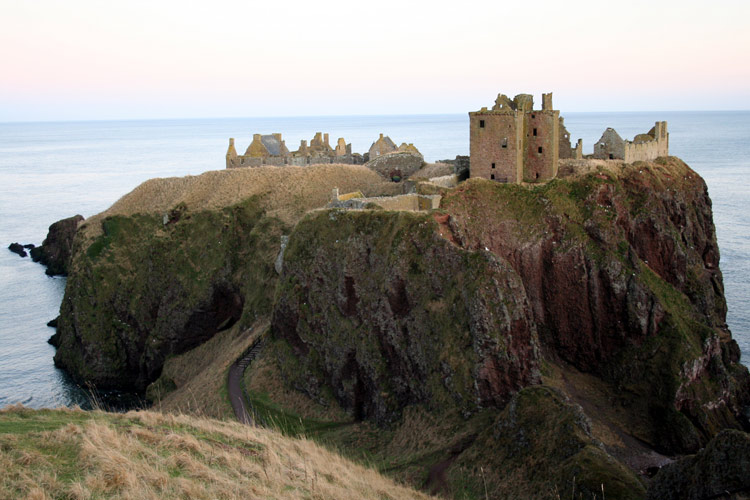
[287, 117]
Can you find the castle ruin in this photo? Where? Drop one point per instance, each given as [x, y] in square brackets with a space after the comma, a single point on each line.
[271, 150]
[513, 142]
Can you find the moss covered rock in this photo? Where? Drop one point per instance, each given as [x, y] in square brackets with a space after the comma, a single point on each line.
[721, 470]
[376, 306]
[541, 447]
[148, 287]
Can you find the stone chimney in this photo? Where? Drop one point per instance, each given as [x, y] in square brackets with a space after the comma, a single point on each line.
[231, 152]
[325, 139]
[547, 102]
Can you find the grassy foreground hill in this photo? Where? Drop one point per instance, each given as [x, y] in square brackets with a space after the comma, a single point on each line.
[142, 455]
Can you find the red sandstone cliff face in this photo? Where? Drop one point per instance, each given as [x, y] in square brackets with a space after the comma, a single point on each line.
[614, 273]
[621, 273]
[382, 310]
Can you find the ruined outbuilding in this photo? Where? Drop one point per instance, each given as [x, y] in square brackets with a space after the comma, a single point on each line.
[643, 147]
[382, 146]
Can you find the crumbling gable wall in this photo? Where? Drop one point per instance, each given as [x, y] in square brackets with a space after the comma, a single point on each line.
[565, 150]
[382, 146]
[400, 164]
[610, 146]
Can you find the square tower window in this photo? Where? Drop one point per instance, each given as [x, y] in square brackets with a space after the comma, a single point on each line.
[481, 123]
[492, 177]
[533, 116]
[540, 149]
[534, 132]
[504, 144]
[493, 165]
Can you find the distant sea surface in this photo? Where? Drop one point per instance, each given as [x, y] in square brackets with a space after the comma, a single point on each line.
[49, 171]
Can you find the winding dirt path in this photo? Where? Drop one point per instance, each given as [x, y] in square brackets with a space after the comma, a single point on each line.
[234, 383]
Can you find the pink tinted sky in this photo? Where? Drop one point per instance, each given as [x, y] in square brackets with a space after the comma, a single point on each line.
[86, 59]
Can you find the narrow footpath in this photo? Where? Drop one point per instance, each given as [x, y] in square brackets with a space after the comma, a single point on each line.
[234, 383]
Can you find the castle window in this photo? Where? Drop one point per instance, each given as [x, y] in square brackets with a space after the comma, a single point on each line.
[540, 149]
[492, 177]
[534, 132]
[504, 143]
[481, 123]
[493, 165]
[533, 116]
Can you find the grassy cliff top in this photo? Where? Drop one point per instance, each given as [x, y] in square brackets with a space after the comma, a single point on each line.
[76, 454]
[287, 192]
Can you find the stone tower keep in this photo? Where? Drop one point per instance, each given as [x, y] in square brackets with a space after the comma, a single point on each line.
[513, 142]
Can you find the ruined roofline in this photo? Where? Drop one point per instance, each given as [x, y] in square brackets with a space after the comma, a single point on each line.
[486, 111]
[520, 104]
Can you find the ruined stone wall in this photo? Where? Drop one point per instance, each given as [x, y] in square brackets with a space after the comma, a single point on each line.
[447, 181]
[496, 145]
[404, 162]
[643, 151]
[644, 147]
[565, 150]
[541, 141]
[405, 202]
[297, 161]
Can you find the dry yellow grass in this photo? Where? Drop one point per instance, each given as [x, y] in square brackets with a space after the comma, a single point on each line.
[149, 455]
[288, 192]
[433, 170]
[200, 374]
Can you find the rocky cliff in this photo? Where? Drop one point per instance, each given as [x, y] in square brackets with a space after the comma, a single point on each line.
[177, 260]
[585, 314]
[380, 308]
[614, 274]
[145, 289]
[56, 250]
[621, 271]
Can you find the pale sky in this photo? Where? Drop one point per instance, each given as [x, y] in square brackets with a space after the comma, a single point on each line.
[94, 59]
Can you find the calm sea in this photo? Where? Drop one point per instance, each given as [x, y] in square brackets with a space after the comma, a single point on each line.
[49, 171]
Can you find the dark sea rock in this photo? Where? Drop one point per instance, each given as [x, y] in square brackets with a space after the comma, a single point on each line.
[55, 251]
[18, 249]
